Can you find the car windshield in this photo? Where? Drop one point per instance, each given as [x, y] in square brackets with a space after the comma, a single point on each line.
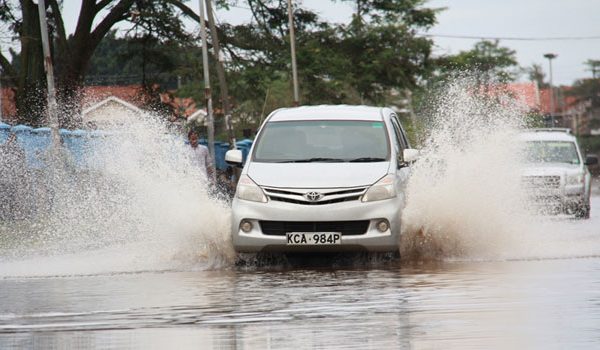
[322, 141]
[551, 152]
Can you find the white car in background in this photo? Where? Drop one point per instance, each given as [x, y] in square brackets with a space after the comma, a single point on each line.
[323, 179]
[555, 176]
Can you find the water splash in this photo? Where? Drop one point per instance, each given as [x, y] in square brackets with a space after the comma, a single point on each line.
[137, 204]
[464, 197]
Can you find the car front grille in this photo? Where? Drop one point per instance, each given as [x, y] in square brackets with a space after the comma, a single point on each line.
[303, 202]
[328, 196]
[346, 228]
[541, 182]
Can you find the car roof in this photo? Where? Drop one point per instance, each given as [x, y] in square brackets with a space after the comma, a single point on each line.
[329, 112]
[547, 136]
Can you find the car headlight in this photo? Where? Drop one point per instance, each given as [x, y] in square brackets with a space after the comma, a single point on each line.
[249, 190]
[383, 189]
[575, 179]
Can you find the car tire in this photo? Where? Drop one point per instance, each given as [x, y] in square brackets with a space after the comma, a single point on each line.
[583, 211]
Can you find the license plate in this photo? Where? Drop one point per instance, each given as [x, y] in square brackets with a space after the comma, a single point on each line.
[314, 238]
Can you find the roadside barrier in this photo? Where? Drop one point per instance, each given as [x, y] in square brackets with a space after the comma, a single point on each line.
[80, 143]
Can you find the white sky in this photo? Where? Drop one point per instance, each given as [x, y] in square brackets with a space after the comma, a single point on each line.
[486, 18]
[526, 18]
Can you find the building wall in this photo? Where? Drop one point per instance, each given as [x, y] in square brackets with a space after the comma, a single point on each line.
[111, 114]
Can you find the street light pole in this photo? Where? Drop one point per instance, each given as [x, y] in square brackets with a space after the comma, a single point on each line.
[207, 92]
[52, 105]
[293, 49]
[550, 57]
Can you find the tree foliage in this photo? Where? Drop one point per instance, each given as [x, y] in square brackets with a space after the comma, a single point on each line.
[362, 61]
[587, 93]
[587, 90]
[536, 73]
[593, 66]
[72, 53]
[492, 63]
[378, 53]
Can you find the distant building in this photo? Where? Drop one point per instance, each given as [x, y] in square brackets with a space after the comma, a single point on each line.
[526, 94]
[579, 114]
[133, 94]
[555, 111]
[114, 105]
[110, 112]
[565, 111]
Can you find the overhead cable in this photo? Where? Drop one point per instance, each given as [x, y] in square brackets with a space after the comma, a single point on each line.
[483, 37]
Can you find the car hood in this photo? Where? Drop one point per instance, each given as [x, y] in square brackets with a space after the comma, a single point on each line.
[317, 175]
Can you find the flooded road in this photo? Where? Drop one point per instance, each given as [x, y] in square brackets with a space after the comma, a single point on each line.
[549, 298]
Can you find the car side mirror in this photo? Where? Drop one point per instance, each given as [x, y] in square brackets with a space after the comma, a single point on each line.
[591, 160]
[410, 155]
[234, 157]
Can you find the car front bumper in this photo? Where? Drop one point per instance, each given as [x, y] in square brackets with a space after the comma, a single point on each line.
[558, 200]
[371, 241]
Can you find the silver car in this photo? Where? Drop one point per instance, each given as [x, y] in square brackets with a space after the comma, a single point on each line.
[555, 176]
[323, 179]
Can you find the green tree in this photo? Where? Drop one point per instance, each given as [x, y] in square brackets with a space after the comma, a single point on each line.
[367, 60]
[585, 90]
[594, 67]
[536, 73]
[72, 53]
[338, 63]
[492, 63]
[587, 93]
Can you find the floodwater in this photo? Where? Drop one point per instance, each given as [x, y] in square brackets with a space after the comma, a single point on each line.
[535, 302]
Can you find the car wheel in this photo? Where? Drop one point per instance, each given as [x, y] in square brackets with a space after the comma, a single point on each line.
[583, 211]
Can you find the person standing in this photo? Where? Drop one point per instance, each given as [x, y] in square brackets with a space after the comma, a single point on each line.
[200, 155]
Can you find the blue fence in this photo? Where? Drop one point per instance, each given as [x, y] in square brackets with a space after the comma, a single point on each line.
[81, 142]
[222, 147]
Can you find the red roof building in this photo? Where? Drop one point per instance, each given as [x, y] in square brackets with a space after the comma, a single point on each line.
[527, 94]
[135, 95]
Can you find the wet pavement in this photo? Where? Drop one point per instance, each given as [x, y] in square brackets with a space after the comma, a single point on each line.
[549, 301]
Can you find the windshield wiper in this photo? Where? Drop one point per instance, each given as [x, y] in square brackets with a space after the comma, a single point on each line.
[366, 160]
[314, 160]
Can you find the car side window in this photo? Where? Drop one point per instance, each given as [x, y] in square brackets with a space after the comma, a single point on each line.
[400, 132]
[401, 139]
[404, 137]
[398, 140]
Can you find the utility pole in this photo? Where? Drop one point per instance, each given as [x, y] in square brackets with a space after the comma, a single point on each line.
[52, 106]
[220, 73]
[0, 98]
[293, 49]
[207, 92]
[550, 57]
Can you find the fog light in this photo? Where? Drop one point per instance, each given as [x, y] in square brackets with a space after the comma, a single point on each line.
[383, 226]
[246, 226]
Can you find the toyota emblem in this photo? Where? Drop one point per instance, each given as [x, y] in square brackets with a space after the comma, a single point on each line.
[313, 196]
